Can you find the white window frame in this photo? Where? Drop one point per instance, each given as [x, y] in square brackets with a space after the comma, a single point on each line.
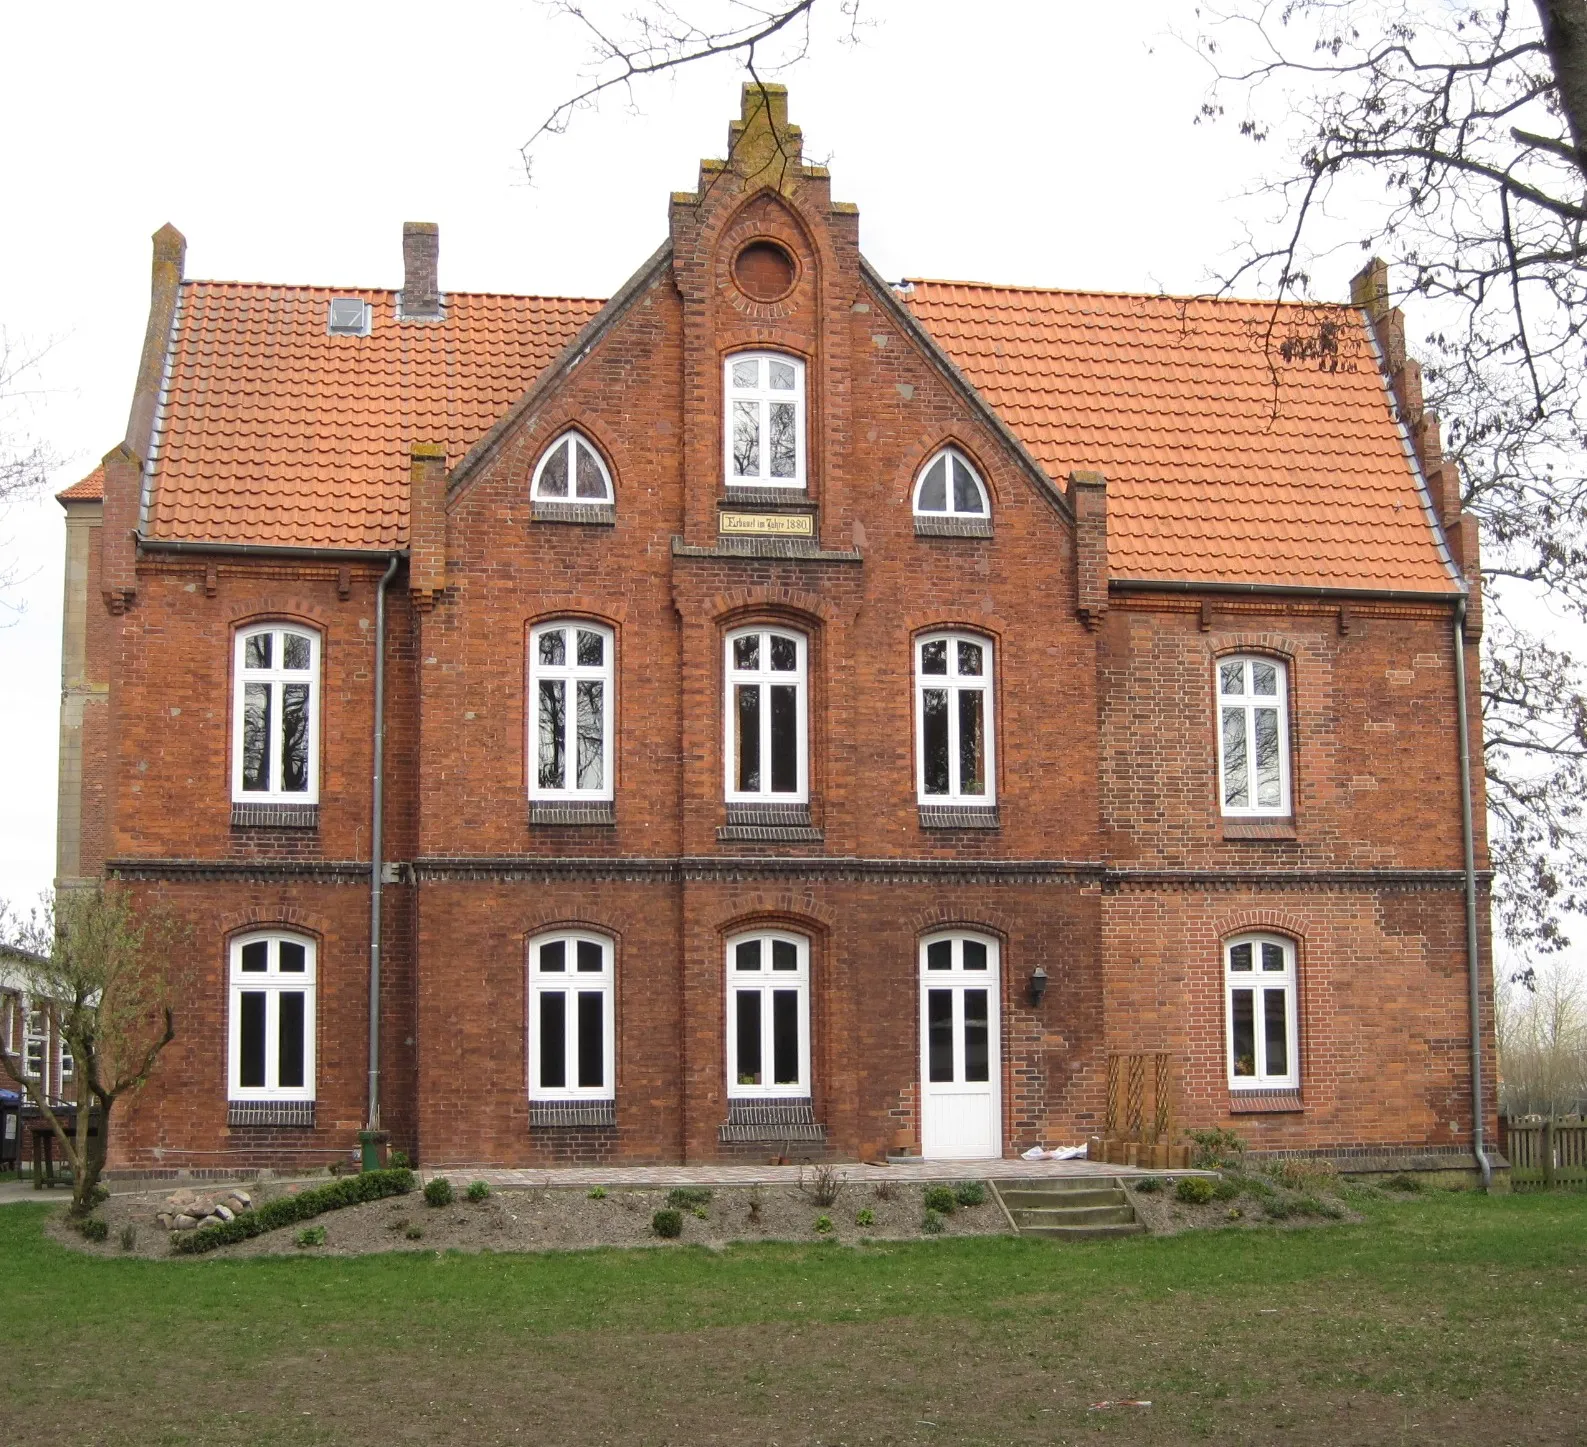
[572, 673]
[954, 683]
[272, 983]
[572, 981]
[953, 455]
[763, 397]
[765, 981]
[570, 441]
[1259, 980]
[1249, 704]
[764, 677]
[35, 1035]
[275, 677]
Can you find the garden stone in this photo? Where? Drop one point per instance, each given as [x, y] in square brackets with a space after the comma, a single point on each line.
[185, 1223]
[225, 1213]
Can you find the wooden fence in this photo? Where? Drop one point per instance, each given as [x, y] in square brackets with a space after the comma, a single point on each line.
[1544, 1153]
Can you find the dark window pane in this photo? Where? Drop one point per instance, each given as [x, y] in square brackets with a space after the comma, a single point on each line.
[934, 739]
[1272, 956]
[748, 1025]
[1231, 678]
[1264, 679]
[939, 955]
[256, 651]
[747, 739]
[747, 955]
[746, 439]
[554, 647]
[780, 376]
[592, 957]
[934, 490]
[293, 1039]
[590, 481]
[783, 439]
[746, 651]
[972, 742]
[974, 955]
[592, 1038]
[292, 960]
[746, 374]
[1240, 1006]
[252, 1072]
[554, 475]
[553, 734]
[1277, 1032]
[1268, 792]
[592, 648]
[784, 653]
[966, 495]
[976, 1036]
[784, 740]
[554, 957]
[1236, 794]
[256, 736]
[553, 1039]
[592, 724]
[294, 651]
[934, 656]
[295, 738]
[256, 956]
[784, 1037]
[971, 659]
[939, 1034]
[784, 955]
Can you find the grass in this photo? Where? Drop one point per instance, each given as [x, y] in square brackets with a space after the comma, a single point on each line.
[1449, 1317]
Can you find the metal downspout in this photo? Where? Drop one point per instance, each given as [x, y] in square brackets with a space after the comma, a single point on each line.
[1473, 945]
[375, 844]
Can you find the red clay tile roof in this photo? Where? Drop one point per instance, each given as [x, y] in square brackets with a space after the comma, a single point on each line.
[1173, 401]
[90, 489]
[273, 431]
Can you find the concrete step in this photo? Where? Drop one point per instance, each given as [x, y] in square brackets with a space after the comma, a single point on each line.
[1083, 1233]
[1015, 1197]
[1025, 1216]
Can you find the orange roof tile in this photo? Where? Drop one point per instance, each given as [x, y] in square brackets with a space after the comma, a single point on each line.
[274, 431]
[1220, 467]
[90, 489]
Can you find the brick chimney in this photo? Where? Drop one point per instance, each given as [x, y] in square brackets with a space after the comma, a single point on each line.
[421, 264]
[1088, 496]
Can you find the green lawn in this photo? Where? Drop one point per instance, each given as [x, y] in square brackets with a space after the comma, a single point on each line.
[1453, 1319]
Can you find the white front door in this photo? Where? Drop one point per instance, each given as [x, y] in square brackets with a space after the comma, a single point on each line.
[961, 1116]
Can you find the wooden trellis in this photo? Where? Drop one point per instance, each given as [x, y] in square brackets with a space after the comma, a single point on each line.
[1138, 1120]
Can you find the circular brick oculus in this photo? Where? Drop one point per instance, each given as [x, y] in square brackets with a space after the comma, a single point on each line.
[764, 271]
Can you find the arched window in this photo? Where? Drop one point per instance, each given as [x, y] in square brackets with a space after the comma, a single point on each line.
[571, 1017]
[271, 1044]
[766, 708]
[949, 487]
[276, 715]
[1253, 737]
[1259, 989]
[570, 711]
[953, 719]
[571, 470]
[768, 1014]
[764, 428]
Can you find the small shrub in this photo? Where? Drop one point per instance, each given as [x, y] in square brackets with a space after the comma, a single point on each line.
[667, 1223]
[1312, 1206]
[686, 1198]
[438, 1192]
[1278, 1209]
[1215, 1148]
[939, 1199]
[479, 1191]
[931, 1222]
[1254, 1186]
[1226, 1190]
[1402, 1182]
[969, 1193]
[700, 1214]
[1148, 1185]
[826, 1185]
[414, 1233]
[338, 1168]
[288, 1210]
[823, 1225]
[98, 1196]
[400, 1224]
[129, 1237]
[397, 1161]
[597, 1193]
[311, 1236]
[865, 1217]
[756, 1201]
[1303, 1175]
[1194, 1190]
[1234, 1213]
[883, 1190]
[94, 1229]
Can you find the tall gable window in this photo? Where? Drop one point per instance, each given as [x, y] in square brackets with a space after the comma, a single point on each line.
[953, 719]
[1253, 737]
[571, 470]
[571, 1018]
[276, 716]
[766, 711]
[949, 487]
[570, 712]
[1259, 979]
[768, 1015]
[271, 1036]
[765, 423]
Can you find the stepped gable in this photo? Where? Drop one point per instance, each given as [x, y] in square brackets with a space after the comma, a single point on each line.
[1241, 443]
[273, 431]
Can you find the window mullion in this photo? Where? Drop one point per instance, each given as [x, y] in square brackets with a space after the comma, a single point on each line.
[768, 1036]
[272, 1041]
[570, 1027]
[951, 694]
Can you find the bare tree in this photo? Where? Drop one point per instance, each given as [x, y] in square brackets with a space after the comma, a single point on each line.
[107, 972]
[1542, 1031]
[25, 460]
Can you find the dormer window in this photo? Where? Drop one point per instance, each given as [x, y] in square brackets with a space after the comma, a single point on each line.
[950, 487]
[765, 420]
[571, 471]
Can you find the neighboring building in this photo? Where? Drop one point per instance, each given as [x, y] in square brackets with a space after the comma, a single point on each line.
[30, 1036]
[817, 711]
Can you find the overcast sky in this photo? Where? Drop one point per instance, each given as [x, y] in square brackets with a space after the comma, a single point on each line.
[1042, 143]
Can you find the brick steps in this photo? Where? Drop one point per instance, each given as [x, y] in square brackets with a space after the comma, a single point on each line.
[1080, 1210]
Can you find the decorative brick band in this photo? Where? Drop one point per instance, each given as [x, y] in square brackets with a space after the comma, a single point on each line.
[952, 527]
[1264, 1102]
[765, 548]
[271, 1112]
[960, 816]
[275, 816]
[768, 834]
[544, 1114]
[1259, 829]
[543, 812]
[770, 1121]
[590, 514]
[791, 816]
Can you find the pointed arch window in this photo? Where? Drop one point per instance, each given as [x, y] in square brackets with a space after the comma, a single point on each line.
[571, 471]
[949, 487]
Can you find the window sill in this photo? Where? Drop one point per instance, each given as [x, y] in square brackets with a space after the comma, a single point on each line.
[771, 1121]
[1265, 1102]
[952, 527]
[601, 814]
[1259, 829]
[275, 816]
[737, 495]
[769, 824]
[593, 514]
[553, 1114]
[295, 1113]
[960, 816]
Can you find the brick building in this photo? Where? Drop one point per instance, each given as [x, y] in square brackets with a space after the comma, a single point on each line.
[819, 713]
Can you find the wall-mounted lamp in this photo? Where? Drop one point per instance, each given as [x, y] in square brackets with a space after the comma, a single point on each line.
[1038, 985]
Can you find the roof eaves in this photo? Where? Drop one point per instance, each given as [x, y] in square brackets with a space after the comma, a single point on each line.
[922, 338]
[574, 353]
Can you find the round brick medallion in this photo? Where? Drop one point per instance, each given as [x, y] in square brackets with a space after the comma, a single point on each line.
[764, 271]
